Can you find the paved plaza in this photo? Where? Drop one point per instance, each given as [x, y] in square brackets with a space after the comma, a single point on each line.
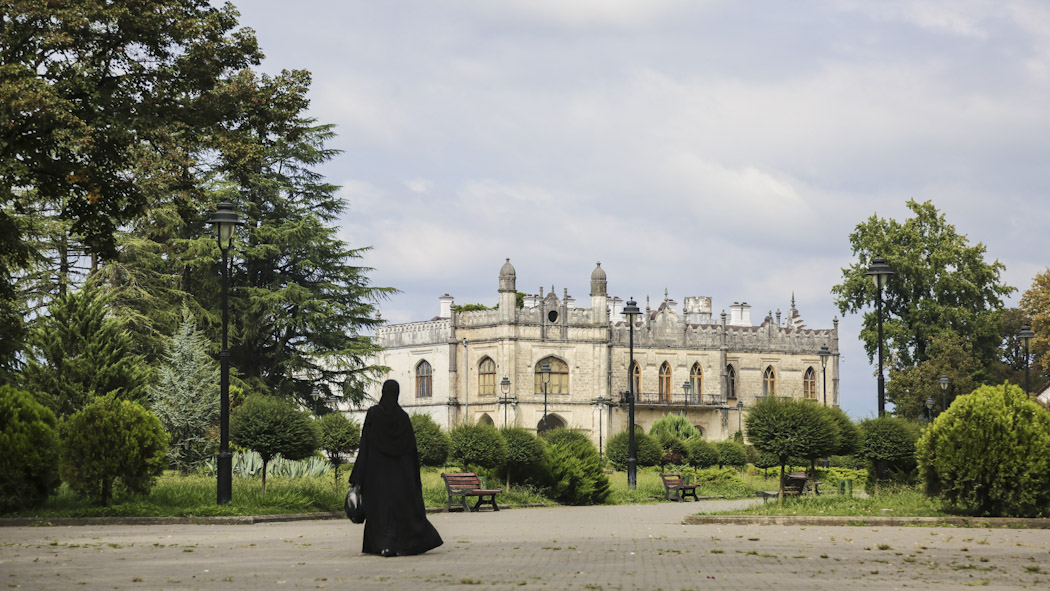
[592, 548]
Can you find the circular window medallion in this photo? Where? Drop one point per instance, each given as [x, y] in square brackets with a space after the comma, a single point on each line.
[552, 315]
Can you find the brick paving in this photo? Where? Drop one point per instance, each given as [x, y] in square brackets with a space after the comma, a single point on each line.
[584, 548]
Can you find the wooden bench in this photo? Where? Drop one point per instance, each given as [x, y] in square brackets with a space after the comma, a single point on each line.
[795, 484]
[675, 488]
[460, 485]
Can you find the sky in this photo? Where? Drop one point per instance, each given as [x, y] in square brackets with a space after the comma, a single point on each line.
[707, 148]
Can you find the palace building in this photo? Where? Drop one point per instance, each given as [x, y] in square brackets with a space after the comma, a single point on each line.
[492, 365]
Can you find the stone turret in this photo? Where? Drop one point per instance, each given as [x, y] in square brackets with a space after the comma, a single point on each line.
[507, 292]
[599, 296]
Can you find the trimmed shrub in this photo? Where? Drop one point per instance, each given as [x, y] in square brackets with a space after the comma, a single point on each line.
[526, 455]
[431, 442]
[648, 450]
[576, 475]
[478, 445]
[888, 443]
[272, 426]
[563, 435]
[112, 442]
[731, 454]
[673, 450]
[675, 425]
[989, 454]
[701, 453]
[849, 432]
[339, 436]
[29, 462]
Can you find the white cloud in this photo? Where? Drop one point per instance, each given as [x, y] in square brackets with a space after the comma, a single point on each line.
[419, 185]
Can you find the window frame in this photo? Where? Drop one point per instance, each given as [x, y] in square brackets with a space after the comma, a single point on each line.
[769, 382]
[424, 380]
[486, 379]
[559, 380]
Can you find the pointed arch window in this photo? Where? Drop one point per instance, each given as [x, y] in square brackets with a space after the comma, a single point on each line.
[696, 382]
[809, 384]
[665, 383]
[559, 381]
[730, 381]
[636, 375]
[769, 382]
[487, 377]
[424, 380]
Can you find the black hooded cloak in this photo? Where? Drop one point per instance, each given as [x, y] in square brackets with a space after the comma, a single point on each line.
[387, 470]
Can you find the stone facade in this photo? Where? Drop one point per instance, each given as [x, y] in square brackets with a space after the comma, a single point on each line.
[452, 367]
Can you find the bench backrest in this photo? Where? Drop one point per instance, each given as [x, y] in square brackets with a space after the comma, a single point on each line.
[671, 479]
[461, 480]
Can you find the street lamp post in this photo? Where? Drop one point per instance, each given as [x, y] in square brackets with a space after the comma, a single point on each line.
[824, 354]
[945, 381]
[504, 387]
[600, 403]
[740, 417]
[1026, 338]
[880, 273]
[545, 378]
[687, 388]
[224, 219]
[929, 409]
[630, 311]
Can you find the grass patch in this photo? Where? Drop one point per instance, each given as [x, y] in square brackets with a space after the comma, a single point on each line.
[901, 502]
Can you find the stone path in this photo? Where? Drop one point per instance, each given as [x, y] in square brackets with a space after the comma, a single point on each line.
[584, 548]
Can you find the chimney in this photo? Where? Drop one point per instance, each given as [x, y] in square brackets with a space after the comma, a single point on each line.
[445, 308]
[740, 314]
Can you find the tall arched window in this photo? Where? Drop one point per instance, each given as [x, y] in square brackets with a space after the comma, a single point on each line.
[636, 374]
[487, 377]
[665, 383]
[696, 383]
[730, 381]
[424, 377]
[769, 382]
[559, 382]
[809, 384]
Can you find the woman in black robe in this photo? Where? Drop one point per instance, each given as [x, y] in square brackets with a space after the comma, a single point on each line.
[387, 470]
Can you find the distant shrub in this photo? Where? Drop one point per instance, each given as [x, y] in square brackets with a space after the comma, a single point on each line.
[478, 445]
[576, 475]
[340, 436]
[525, 455]
[272, 426]
[673, 450]
[109, 443]
[30, 444]
[675, 425]
[731, 454]
[562, 435]
[431, 442]
[701, 453]
[888, 443]
[989, 454]
[648, 452]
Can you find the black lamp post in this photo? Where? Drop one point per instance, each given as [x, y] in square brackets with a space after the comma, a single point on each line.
[740, 417]
[929, 408]
[504, 387]
[545, 378]
[630, 311]
[945, 381]
[600, 403]
[880, 273]
[824, 354]
[1026, 335]
[224, 219]
[687, 387]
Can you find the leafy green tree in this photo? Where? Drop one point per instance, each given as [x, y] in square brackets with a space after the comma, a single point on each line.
[910, 387]
[272, 426]
[186, 398]
[433, 443]
[731, 453]
[29, 438]
[339, 436]
[304, 305]
[848, 432]
[1035, 304]
[112, 442]
[576, 472]
[478, 445]
[562, 434]
[526, 453]
[701, 453]
[989, 454]
[941, 284]
[888, 443]
[647, 450]
[787, 427]
[79, 352]
[676, 425]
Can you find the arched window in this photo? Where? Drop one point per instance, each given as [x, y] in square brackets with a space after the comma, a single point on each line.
[485, 419]
[665, 383]
[424, 377]
[730, 381]
[636, 373]
[769, 382]
[487, 377]
[809, 384]
[696, 383]
[559, 381]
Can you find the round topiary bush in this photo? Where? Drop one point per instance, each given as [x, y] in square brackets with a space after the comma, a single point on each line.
[888, 443]
[701, 453]
[270, 426]
[672, 449]
[29, 462]
[112, 442]
[989, 454]
[731, 454]
[339, 436]
[478, 445]
[526, 454]
[563, 434]
[648, 450]
[676, 425]
[576, 475]
[431, 442]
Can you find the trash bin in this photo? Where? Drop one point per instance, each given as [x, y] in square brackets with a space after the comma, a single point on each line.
[846, 487]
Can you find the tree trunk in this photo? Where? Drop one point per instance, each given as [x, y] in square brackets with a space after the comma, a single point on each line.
[780, 497]
[264, 478]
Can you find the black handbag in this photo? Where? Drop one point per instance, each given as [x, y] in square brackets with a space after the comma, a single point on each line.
[355, 504]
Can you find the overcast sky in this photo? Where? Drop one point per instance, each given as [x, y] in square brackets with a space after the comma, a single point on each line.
[713, 148]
